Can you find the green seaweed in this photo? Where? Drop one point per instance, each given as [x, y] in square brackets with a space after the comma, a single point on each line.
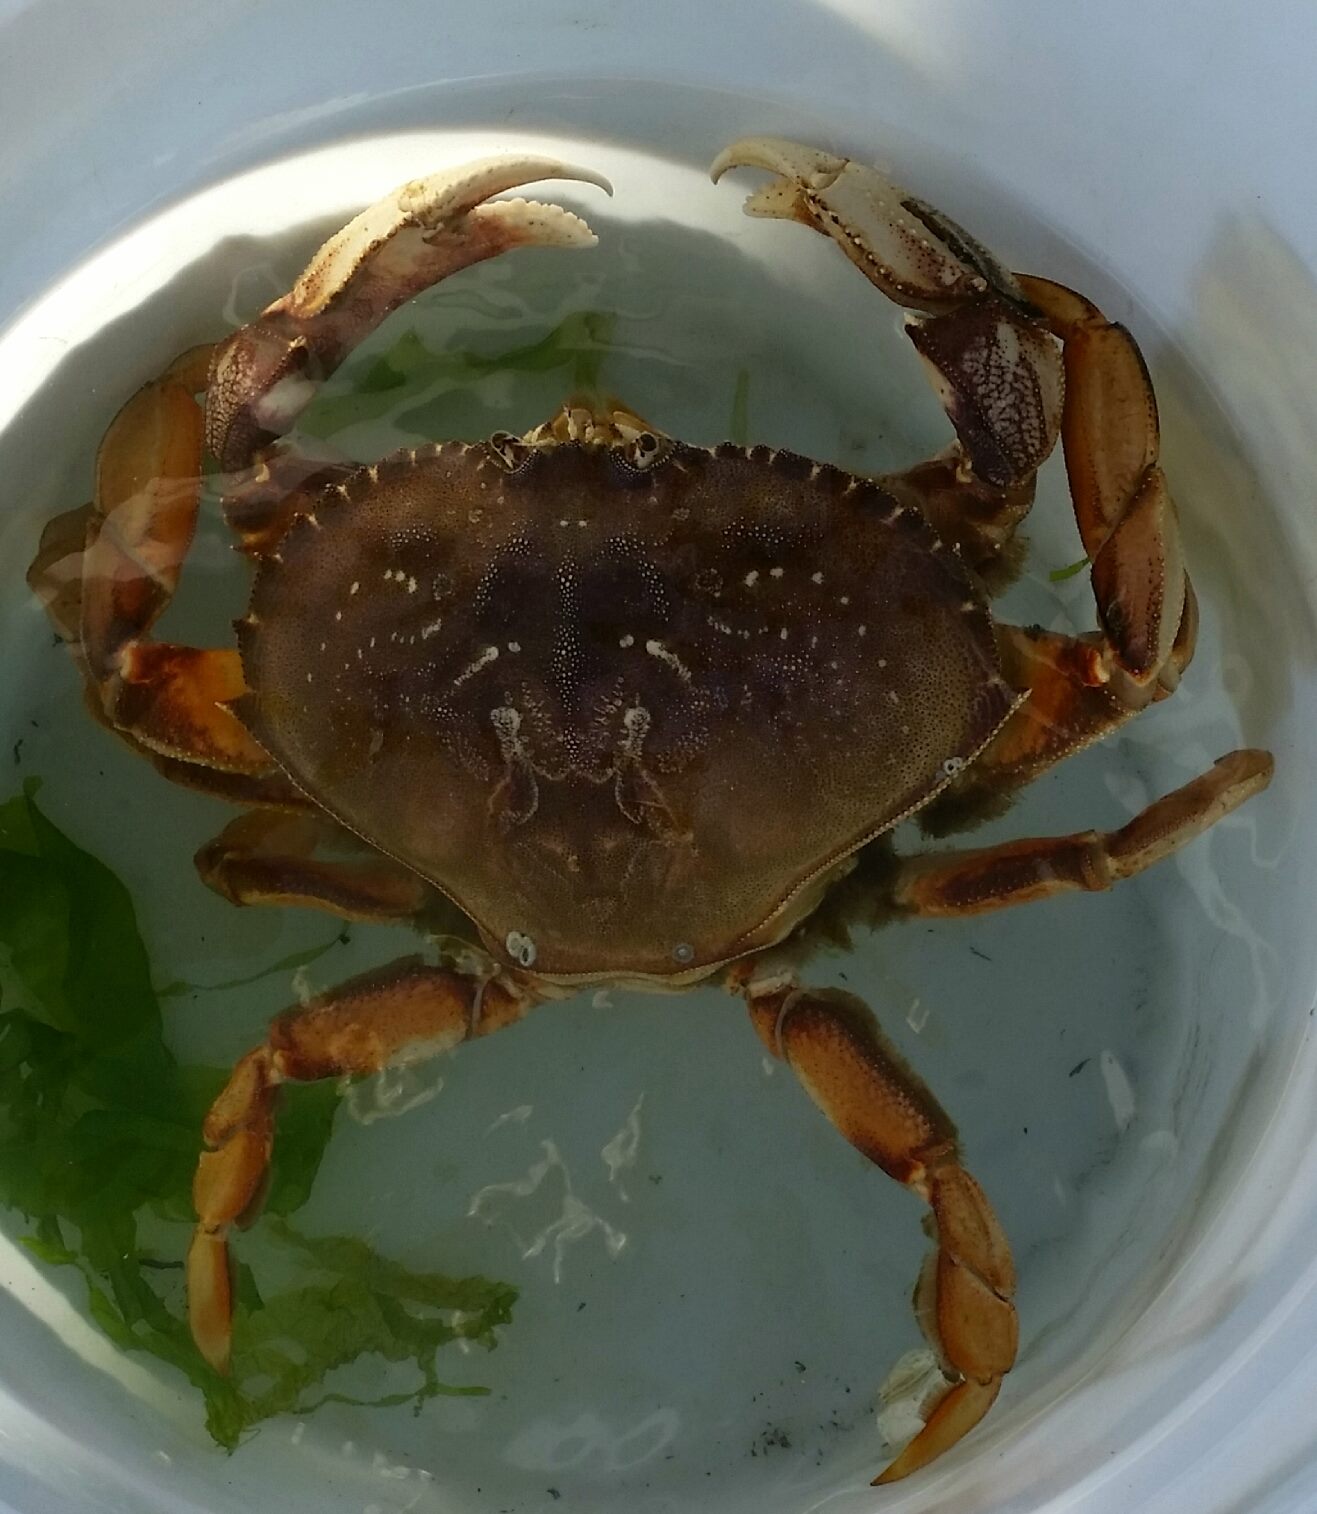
[99, 1135]
[1059, 575]
[410, 370]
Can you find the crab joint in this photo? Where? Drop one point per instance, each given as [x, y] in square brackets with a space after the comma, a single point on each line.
[509, 451]
[520, 948]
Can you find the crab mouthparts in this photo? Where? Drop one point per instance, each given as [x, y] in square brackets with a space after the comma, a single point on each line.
[592, 422]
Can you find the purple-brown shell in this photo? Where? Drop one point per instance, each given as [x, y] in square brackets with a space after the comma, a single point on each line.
[626, 716]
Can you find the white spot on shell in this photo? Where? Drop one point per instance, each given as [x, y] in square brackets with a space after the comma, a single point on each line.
[952, 766]
[657, 649]
[490, 654]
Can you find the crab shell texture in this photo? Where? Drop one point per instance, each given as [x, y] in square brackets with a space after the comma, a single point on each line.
[632, 717]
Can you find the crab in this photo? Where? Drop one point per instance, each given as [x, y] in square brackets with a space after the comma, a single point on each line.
[628, 709]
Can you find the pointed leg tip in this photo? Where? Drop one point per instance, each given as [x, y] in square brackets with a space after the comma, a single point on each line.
[216, 1353]
[1252, 763]
[210, 1299]
[953, 1417]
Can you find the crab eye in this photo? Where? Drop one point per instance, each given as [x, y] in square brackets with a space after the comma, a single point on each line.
[647, 450]
[508, 451]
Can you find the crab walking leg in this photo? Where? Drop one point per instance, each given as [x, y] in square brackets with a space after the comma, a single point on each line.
[56, 577]
[106, 591]
[388, 1018]
[1127, 521]
[55, 574]
[859, 1080]
[266, 373]
[143, 514]
[269, 857]
[1018, 872]
[148, 481]
[1071, 704]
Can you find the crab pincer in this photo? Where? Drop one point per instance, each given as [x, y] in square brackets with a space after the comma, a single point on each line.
[994, 365]
[264, 375]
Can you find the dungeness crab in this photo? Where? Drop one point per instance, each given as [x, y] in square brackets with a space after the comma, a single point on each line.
[633, 706]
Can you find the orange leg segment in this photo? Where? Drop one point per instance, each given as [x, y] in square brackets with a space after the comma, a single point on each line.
[859, 1080]
[107, 572]
[388, 1018]
[1126, 519]
[1018, 872]
[269, 857]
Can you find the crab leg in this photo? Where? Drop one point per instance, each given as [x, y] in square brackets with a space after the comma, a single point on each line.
[269, 857]
[1126, 519]
[106, 591]
[1083, 687]
[1070, 705]
[989, 339]
[266, 373]
[859, 1080]
[56, 577]
[388, 1018]
[993, 362]
[976, 519]
[1018, 872]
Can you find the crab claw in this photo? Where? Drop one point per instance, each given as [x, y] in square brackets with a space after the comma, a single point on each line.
[916, 255]
[264, 375]
[994, 366]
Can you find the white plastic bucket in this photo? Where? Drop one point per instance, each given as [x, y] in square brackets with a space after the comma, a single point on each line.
[1143, 148]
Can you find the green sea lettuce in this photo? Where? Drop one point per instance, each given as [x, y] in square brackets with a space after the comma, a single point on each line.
[99, 1135]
